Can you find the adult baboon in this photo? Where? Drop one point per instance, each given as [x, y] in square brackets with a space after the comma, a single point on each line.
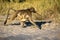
[23, 15]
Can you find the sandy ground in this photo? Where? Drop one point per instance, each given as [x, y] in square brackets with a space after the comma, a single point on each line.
[45, 31]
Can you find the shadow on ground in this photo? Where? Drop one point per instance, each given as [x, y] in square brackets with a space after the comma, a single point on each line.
[29, 24]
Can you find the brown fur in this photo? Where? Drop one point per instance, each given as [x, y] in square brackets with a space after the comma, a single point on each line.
[23, 15]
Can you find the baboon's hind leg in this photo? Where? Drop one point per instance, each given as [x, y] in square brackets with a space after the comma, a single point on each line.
[9, 20]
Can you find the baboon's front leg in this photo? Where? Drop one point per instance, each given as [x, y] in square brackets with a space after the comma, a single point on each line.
[30, 19]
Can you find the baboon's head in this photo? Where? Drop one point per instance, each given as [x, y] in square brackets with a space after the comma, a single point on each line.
[32, 10]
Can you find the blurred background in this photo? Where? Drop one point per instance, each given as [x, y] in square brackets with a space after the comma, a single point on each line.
[47, 9]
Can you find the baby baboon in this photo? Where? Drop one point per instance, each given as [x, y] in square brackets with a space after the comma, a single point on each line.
[22, 15]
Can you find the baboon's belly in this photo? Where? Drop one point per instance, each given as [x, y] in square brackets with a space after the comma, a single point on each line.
[23, 17]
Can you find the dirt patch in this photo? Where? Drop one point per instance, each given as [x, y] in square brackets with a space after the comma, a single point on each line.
[48, 31]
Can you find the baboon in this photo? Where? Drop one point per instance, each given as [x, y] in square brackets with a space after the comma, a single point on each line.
[23, 15]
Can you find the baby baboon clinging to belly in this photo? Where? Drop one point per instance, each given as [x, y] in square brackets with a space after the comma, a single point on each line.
[22, 15]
